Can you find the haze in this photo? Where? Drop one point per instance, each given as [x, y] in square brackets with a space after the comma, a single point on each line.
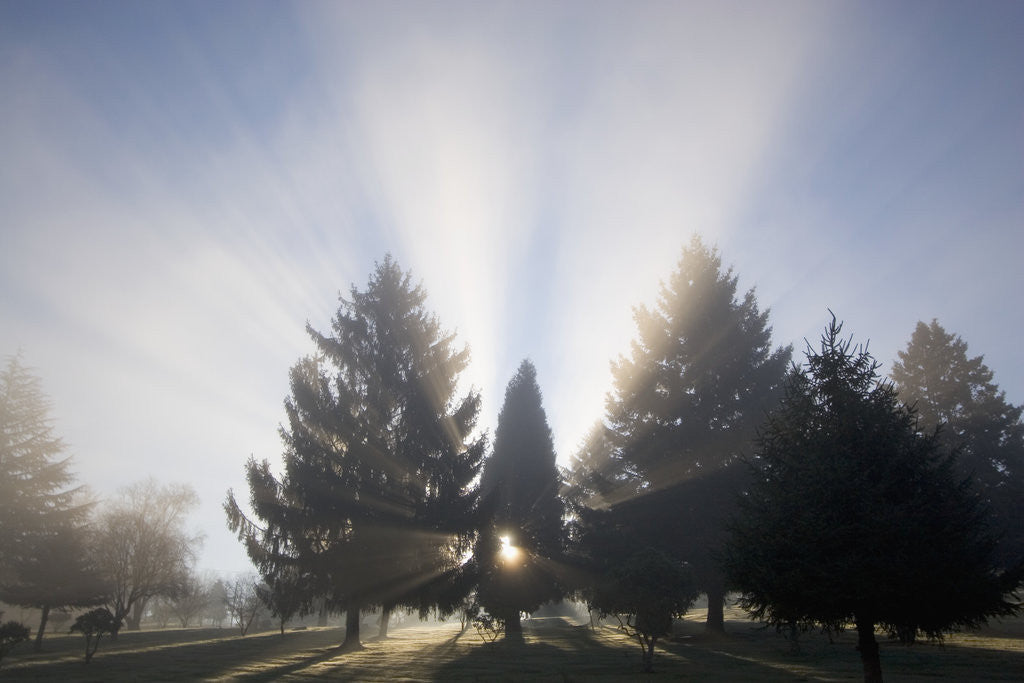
[183, 185]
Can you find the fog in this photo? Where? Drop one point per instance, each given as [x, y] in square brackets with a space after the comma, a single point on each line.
[185, 186]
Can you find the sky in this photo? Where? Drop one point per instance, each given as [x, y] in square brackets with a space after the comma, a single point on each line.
[184, 185]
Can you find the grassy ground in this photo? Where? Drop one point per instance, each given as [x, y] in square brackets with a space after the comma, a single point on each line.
[554, 649]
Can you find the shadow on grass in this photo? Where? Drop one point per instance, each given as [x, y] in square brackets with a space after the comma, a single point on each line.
[552, 650]
[142, 659]
[555, 650]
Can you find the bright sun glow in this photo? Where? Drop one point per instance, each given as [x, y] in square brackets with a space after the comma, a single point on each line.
[508, 551]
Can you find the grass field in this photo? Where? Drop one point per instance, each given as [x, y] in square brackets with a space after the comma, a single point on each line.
[554, 649]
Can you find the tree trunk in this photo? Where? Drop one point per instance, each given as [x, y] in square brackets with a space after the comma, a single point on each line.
[868, 647]
[514, 628]
[118, 623]
[716, 608]
[385, 619]
[648, 655]
[38, 645]
[135, 620]
[351, 641]
[794, 638]
[321, 617]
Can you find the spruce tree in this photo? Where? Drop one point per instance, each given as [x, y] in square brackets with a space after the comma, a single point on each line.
[685, 405]
[37, 495]
[855, 517]
[43, 561]
[376, 501]
[956, 395]
[521, 538]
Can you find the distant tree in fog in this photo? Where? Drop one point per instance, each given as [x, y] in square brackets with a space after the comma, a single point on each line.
[955, 394]
[42, 512]
[216, 604]
[60, 574]
[685, 404]
[142, 548]
[520, 492]
[190, 600]
[376, 502]
[853, 516]
[243, 601]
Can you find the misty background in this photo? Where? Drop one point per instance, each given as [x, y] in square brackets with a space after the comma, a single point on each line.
[184, 185]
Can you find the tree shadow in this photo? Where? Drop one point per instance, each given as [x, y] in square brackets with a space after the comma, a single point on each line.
[559, 650]
[301, 662]
[205, 659]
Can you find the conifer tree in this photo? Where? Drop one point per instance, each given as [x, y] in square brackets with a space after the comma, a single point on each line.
[37, 495]
[956, 394]
[43, 562]
[376, 504]
[853, 516]
[522, 536]
[685, 405]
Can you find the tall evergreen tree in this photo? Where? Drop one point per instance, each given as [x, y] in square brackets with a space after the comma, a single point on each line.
[42, 513]
[955, 393]
[376, 501]
[520, 489]
[37, 495]
[853, 516]
[686, 404]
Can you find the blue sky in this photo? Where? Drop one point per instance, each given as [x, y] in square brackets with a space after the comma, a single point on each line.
[183, 185]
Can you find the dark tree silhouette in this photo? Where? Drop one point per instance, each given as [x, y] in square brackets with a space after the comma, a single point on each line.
[376, 503]
[645, 593]
[11, 633]
[520, 489]
[955, 394]
[854, 516]
[93, 625]
[43, 562]
[685, 404]
[286, 595]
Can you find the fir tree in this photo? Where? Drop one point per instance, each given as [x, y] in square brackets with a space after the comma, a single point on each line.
[376, 502]
[853, 516]
[43, 562]
[955, 394]
[685, 405]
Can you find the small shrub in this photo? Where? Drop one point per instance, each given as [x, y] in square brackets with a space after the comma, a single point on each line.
[488, 627]
[11, 633]
[93, 625]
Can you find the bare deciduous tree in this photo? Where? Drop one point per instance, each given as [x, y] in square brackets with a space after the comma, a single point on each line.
[142, 547]
[243, 602]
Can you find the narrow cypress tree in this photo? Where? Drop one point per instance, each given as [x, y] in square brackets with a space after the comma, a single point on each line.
[520, 490]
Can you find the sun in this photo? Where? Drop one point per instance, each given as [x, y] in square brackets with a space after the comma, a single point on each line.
[508, 551]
